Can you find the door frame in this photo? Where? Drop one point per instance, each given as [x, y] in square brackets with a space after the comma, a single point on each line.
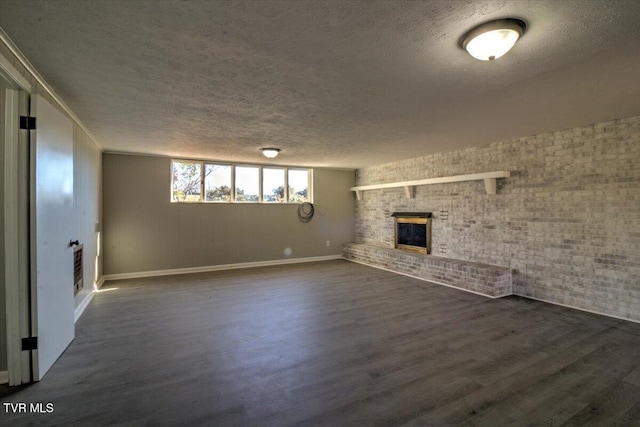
[15, 144]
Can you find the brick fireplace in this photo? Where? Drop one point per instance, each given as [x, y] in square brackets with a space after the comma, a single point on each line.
[411, 255]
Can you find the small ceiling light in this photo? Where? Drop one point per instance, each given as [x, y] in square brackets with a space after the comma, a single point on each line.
[270, 152]
[493, 39]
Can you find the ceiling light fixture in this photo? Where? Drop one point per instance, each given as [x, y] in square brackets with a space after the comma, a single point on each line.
[270, 152]
[493, 39]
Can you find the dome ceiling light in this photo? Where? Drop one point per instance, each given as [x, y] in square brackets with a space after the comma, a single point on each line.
[493, 39]
[270, 152]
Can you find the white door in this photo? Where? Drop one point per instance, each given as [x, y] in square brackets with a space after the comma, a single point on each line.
[52, 228]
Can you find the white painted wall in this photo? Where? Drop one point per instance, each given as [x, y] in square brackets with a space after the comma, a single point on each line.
[87, 194]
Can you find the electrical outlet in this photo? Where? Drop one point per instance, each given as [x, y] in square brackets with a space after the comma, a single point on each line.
[328, 243]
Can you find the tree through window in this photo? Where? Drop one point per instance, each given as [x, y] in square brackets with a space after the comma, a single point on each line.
[186, 181]
[298, 185]
[217, 183]
[195, 181]
[273, 185]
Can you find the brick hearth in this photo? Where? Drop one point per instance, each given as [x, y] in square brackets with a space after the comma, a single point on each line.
[489, 280]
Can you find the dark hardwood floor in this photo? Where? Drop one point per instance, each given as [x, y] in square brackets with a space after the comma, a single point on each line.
[334, 344]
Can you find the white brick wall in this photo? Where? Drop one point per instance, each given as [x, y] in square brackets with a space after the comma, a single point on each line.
[567, 221]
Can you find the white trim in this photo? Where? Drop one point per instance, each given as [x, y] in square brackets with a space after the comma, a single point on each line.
[220, 267]
[85, 302]
[14, 74]
[36, 75]
[82, 306]
[578, 308]
[425, 280]
[12, 256]
[4, 377]
[11, 261]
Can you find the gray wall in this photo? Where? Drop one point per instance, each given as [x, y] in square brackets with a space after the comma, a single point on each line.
[143, 231]
[567, 221]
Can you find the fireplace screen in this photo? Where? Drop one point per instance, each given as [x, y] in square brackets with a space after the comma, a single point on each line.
[413, 232]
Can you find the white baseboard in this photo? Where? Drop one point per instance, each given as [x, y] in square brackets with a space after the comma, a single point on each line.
[4, 377]
[424, 280]
[85, 302]
[578, 308]
[220, 267]
[82, 306]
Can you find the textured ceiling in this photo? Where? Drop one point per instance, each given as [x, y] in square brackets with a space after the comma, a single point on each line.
[332, 83]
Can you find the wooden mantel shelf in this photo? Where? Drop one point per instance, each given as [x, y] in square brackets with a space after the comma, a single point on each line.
[409, 186]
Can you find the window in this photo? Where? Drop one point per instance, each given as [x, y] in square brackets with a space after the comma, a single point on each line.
[273, 185]
[186, 181]
[217, 183]
[247, 183]
[298, 185]
[197, 181]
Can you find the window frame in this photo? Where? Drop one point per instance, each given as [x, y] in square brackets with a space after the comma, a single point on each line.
[204, 185]
[171, 189]
[261, 167]
[235, 185]
[309, 184]
[285, 172]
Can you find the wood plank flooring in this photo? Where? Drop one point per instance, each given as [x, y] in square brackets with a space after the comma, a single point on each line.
[333, 344]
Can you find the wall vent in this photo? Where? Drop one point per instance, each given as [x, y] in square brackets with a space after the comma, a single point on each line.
[78, 282]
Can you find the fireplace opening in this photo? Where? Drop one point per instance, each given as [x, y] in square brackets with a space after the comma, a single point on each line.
[413, 231]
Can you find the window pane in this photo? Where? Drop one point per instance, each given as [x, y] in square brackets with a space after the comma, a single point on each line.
[298, 186]
[217, 183]
[247, 183]
[273, 185]
[186, 178]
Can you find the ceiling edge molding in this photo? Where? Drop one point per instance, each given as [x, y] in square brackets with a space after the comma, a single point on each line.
[4, 37]
[11, 72]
